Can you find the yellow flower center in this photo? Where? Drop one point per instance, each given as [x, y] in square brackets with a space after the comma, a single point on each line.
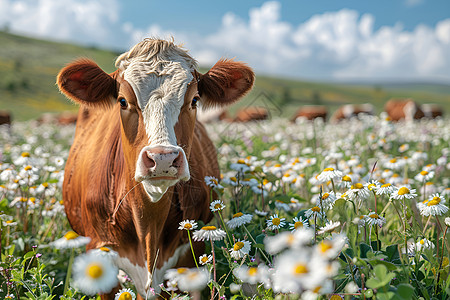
[357, 186]
[276, 221]
[436, 198]
[241, 161]
[27, 168]
[181, 270]
[300, 269]
[395, 175]
[277, 166]
[429, 183]
[424, 173]
[371, 186]
[204, 259]
[324, 246]
[325, 196]
[237, 215]
[386, 185]
[233, 179]
[374, 216]
[33, 200]
[315, 209]
[217, 206]
[187, 226]
[25, 154]
[433, 202]
[238, 246]
[125, 296]
[209, 228]
[106, 249]
[394, 160]
[252, 271]
[334, 297]
[23, 199]
[422, 242]
[214, 181]
[328, 169]
[265, 181]
[403, 191]
[9, 222]
[94, 270]
[298, 224]
[71, 235]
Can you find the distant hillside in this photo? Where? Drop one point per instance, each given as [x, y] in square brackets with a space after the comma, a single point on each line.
[28, 68]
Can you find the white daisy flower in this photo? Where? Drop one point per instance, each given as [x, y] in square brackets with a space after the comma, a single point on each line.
[373, 185]
[212, 182]
[358, 192]
[106, 252]
[94, 274]
[313, 212]
[241, 166]
[125, 294]
[280, 205]
[209, 233]
[216, 205]
[330, 226]
[10, 223]
[385, 189]
[261, 213]
[188, 225]
[327, 200]
[421, 245]
[71, 240]
[424, 176]
[374, 219]
[251, 275]
[330, 248]
[205, 259]
[193, 280]
[329, 174]
[298, 223]
[403, 193]
[346, 181]
[275, 222]
[239, 219]
[240, 249]
[433, 206]
[292, 240]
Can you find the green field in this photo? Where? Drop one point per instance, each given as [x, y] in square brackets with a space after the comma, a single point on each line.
[28, 68]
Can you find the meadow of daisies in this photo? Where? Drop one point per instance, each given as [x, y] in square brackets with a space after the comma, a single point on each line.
[354, 210]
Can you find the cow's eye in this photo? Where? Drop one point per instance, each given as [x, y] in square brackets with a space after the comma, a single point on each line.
[194, 101]
[123, 103]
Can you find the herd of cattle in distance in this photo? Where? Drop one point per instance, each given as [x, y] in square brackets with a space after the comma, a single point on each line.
[396, 110]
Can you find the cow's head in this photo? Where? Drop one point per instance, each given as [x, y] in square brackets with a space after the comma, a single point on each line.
[156, 90]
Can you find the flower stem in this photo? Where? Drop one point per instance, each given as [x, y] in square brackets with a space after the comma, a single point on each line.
[192, 249]
[249, 234]
[69, 271]
[225, 227]
[214, 267]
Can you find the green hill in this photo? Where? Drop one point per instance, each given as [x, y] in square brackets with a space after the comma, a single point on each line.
[28, 68]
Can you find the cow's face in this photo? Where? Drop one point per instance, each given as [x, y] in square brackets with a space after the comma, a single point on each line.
[156, 90]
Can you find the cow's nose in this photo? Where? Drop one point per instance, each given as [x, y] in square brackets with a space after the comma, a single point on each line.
[162, 161]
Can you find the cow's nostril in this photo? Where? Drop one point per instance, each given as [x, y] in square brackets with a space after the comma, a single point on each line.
[178, 161]
[149, 162]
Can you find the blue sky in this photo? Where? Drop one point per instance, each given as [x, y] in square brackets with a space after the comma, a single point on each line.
[327, 40]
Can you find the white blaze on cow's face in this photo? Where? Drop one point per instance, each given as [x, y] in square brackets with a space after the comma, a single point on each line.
[159, 76]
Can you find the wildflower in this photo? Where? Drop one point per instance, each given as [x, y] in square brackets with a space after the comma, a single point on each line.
[241, 166]
[327, 200]
[239, 219]
[94, 274]
[329, 227]
[280, 205]
[329, 174]
[188, 225]
[330, 248]
[298, 222]
[424, 175]
[394, 164]
[358, 192]
[374, 219]
[240, 249]
[209, 233]
[250, 275]
[216, 205]
[314, 211]
[193, 280]
[106, 252]
[373, 185]
[292, 240]
[433, 206]
[385, 189]
[422, 244]
[125, 294]
[171, 286]
[205, 259]
[261, 213]
[9, 223]
[447, 221]
[403, 193]
[346, 181]
[212, 182]
[71, 240]
[275, 222]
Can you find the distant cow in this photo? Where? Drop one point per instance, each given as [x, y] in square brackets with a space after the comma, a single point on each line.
[137, 139]
[352, 110]
[213, 115]
[432, 111]
[311, 112]
[5, 117]
[252, 113]
[67, 118]
[403, 109]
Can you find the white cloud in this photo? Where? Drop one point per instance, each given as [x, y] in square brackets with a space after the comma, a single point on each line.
[412, 3]
[340, 45]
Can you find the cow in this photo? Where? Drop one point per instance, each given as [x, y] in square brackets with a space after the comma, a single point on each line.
[349, 111]
[403, 109]
[432, 111]
[311, 112]
[139, 158]
[251, 113]
[5, 118]
[213, 115]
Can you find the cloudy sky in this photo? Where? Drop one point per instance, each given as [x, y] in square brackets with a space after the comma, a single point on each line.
[327, 40]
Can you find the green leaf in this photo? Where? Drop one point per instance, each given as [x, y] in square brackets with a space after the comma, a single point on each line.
[376, 245]
[28, 255]
[380, 271]
[405, 291]
[390, 266]
[392, 254]
[363, 249]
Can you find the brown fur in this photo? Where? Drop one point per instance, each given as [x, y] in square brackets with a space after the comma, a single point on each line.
[252, 113]
[310, 112]
[5, 117]
[349, 111]
[395, 109]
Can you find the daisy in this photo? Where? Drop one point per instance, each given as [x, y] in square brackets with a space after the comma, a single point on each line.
[433, 206]
[374, 219]
[212, 182]
[193, 280]
[71, 240]
[373, 185]
[298, 222]
[94, 274]
[239, 219]
[385, 189]
[291, 240]
[275, 222]
[251, 275]
[10, 223]
[329, 227]
[106, 252]
[125, 294]
[358, 192]
[447, 221]
[330, 248]
[329, 174]
[240, 249]
[327, 200]
[346, 181]
[403, 193]
[188, 225]
[424, 175]
[209, 233]
[216, 205]
[313, 212]
[241, 166]
[205, 259]
[422, 244]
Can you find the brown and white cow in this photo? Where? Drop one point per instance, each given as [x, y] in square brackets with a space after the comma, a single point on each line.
[432, 111]
[251, 113]
[349, 111]
[137, 139]
[311, 112]
[403, 109]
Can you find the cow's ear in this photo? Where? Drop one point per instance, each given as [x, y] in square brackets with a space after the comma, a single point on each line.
[86, 83]
[225, 83]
